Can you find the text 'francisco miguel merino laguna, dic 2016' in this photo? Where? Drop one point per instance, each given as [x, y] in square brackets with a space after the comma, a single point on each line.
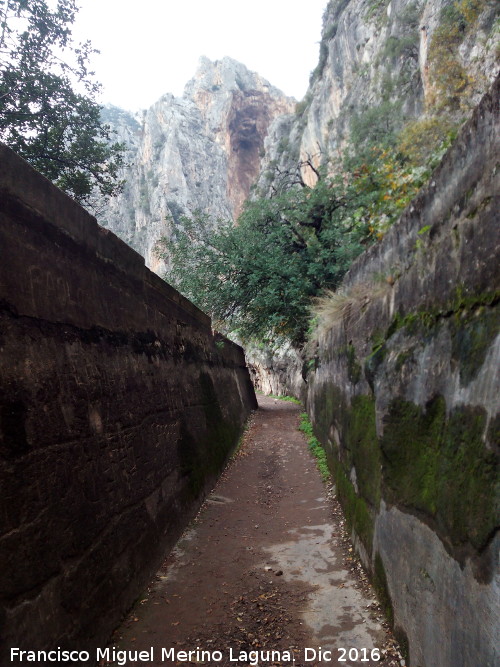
[114, 656]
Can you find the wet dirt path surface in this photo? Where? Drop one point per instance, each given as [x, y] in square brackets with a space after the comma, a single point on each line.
[264, 574]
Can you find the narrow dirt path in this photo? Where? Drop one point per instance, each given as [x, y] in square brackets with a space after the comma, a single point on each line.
[264, 568]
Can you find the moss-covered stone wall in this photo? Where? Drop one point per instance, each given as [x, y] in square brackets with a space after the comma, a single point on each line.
[405, 397]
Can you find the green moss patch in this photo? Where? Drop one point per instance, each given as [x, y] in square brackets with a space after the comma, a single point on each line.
[315, 446]
[353, 366]
[373, 361]
[329, 406]
[471, 313]
[359, 448]
[289, 399]
[441, 467]
[494, 434]
[356, 510]
[362, 443]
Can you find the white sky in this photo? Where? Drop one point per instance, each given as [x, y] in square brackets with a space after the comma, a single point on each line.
[151, 47]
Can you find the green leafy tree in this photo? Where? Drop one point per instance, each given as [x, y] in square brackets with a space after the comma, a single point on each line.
[258, 277]
[48, 112]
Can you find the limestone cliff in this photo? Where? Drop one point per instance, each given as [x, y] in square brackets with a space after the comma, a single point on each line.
[201, 151]
[379, 66]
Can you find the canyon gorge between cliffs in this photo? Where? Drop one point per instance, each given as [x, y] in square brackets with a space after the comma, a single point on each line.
[121, 406]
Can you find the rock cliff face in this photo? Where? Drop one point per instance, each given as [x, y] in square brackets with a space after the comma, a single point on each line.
[278, 371]
[381, 55]
[198, 152]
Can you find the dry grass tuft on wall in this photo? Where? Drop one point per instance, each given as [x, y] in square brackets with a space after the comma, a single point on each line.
[345, 305]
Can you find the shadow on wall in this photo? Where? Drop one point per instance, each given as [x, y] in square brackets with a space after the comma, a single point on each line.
[117, 411]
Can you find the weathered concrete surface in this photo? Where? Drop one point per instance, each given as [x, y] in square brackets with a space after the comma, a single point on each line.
[118, 407]
[452, 596]
[405, 398]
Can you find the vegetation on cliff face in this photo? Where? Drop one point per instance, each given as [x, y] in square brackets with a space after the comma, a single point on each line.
[48, 112]
[452, 89]
[258, 277]
[395, 153]
[452, 86]
[295, 241]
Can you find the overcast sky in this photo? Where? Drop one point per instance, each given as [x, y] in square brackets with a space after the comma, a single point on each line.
[152, 47]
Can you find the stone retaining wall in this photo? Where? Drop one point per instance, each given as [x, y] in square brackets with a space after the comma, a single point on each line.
[405, 398]
[118, 408]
